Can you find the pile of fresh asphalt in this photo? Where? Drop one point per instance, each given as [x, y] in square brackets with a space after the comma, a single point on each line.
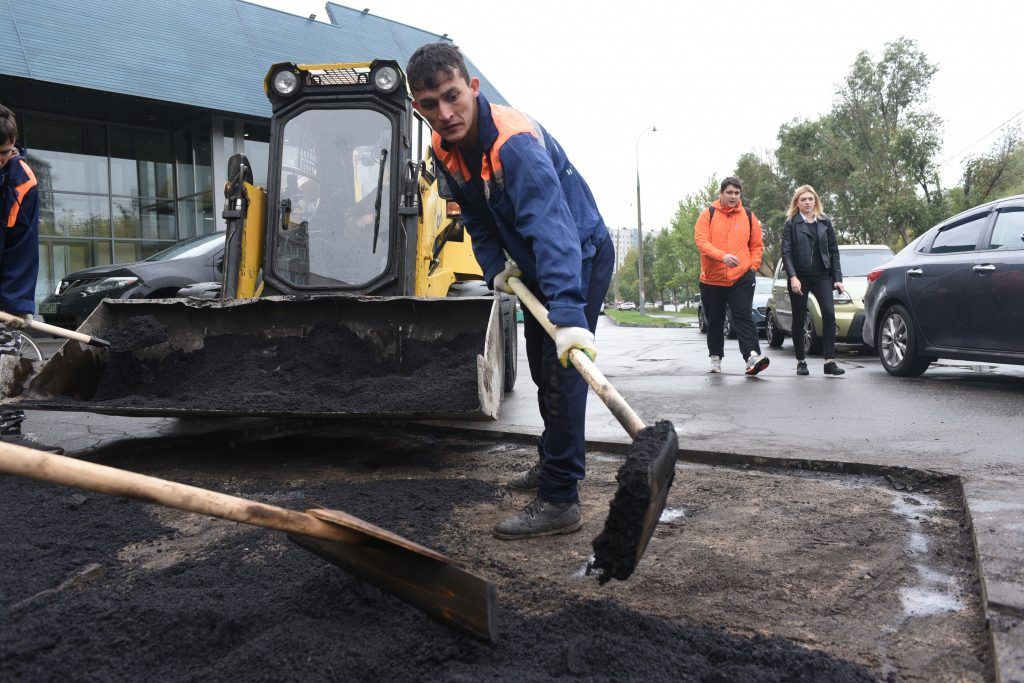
[330, 370]
[246, 604]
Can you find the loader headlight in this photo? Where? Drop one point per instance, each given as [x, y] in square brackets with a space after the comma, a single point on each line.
[285, 82]
[385, 79]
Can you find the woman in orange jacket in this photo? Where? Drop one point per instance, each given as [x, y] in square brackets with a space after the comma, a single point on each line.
[728, 237]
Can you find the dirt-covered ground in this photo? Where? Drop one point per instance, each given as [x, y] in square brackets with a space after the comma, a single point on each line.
[753, 575]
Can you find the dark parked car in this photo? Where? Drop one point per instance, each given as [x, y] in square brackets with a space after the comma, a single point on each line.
[763, 289]
[161, 275]
[957, 291]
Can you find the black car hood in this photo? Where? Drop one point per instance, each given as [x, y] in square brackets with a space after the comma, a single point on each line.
[144, 270]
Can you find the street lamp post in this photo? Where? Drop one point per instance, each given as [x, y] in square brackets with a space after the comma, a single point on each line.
[639, 221]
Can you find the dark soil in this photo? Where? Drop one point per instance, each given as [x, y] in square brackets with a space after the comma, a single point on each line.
[332, 370]
[184, 597]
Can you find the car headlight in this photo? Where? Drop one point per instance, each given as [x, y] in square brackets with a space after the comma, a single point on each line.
[285, 82]
[385, 79]
[109, 283]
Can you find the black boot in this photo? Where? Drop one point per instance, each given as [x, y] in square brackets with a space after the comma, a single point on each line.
[832, 369]
[541, 518]
[527, 480]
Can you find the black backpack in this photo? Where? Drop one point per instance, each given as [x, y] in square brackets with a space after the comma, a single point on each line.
[750, 220]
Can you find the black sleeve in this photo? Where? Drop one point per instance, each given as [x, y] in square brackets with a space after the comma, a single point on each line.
[833, 253]
[787, 248]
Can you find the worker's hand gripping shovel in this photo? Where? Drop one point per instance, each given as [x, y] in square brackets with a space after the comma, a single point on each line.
[644, 479]
[20, 323]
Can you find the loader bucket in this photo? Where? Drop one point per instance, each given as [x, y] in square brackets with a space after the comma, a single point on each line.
[286, 356]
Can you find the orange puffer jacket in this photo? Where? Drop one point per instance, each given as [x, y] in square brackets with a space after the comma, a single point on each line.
[728, 233]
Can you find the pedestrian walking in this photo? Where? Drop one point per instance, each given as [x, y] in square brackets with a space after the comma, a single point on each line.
[728, 236]
[531, 215]
[19, 260]
[810, 255]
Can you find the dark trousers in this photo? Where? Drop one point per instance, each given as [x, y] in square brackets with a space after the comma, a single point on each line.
[562, 392]
[739, 297]
[822, 290]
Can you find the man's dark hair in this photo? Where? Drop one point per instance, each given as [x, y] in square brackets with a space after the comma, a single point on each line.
[8, 125]
[731, 180]
[434, 59]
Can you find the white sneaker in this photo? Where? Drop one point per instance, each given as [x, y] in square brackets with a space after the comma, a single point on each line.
[756, 363]
[716, 364]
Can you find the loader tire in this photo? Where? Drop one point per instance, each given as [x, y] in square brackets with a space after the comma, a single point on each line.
[510, 337]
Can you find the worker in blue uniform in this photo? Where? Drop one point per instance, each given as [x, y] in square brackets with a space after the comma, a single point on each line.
[530, 214]
[19, 259]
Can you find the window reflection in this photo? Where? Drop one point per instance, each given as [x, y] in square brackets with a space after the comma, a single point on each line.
[67, 155]
[71, 215]
[144, 218]
[140, 163]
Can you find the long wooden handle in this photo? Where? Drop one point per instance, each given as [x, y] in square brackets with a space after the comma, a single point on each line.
[16, 321]
[59, 469]
[629, 420]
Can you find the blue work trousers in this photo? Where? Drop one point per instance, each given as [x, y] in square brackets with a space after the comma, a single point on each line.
[562, 392]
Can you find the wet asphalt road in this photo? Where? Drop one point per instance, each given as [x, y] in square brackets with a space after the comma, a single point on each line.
[958, 418]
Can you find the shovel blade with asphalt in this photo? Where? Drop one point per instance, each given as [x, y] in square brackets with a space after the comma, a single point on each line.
[644, 478]
[420, 576]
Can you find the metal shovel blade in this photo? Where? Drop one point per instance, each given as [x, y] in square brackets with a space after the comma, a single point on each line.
[420, 576]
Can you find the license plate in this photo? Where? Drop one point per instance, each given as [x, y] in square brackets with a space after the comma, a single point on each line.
[49, 308]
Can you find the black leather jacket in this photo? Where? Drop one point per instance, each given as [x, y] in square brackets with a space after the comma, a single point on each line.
[797, 241]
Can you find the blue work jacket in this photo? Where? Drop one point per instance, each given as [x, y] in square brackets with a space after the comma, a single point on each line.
[19, 249]
[529, 202]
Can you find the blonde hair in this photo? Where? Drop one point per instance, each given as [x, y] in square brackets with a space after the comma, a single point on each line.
[794, 210]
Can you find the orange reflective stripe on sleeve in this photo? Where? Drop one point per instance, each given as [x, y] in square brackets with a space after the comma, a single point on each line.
[20, 191]
[509, 122]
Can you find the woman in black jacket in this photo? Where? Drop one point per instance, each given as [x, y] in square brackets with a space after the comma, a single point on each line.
[811, 258]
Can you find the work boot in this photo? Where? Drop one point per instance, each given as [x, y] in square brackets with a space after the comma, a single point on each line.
[832, 369]
[29, 441]
[716, 365]
[756, 363]
[527, 480]
[801, 368]
[541, 518]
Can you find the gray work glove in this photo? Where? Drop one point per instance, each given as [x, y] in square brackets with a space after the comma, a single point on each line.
[569, 338]
[501, 279]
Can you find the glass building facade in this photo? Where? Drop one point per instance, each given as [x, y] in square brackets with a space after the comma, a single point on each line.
[116, 193]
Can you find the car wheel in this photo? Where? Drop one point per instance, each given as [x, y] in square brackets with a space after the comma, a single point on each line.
[727, 327]
[812, 342]
[897, 344]
[772, 332]
[702, 323]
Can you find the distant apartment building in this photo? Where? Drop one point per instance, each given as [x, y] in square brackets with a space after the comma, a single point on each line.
[624, 240]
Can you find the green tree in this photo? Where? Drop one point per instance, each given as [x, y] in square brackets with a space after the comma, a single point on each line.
[767, 193]
[990, 176]
[872, 158]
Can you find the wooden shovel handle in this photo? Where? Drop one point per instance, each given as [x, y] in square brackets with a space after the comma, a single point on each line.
[19, 322]
[629, 420]
[59, 469]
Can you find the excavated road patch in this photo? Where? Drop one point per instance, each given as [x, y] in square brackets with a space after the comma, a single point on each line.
[753, 575]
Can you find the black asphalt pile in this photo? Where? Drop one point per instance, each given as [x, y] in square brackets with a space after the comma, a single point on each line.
[245, 604]
[332, 370]
[615, 549]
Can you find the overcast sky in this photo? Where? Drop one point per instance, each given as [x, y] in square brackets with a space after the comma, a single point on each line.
[716, 78]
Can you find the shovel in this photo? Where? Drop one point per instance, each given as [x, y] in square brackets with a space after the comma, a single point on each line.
[422, 577]
[21, 324]
[644, 479]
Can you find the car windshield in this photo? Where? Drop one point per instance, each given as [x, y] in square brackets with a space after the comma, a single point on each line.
[860, 262]
[197, 246]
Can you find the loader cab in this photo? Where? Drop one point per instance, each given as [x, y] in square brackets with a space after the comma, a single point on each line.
[341, 207]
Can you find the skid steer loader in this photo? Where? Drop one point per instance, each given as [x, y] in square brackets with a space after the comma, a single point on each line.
[350, 287]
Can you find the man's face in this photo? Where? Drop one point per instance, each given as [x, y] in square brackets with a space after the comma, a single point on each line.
[730, 196]
[7, 150]
[450, 108]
